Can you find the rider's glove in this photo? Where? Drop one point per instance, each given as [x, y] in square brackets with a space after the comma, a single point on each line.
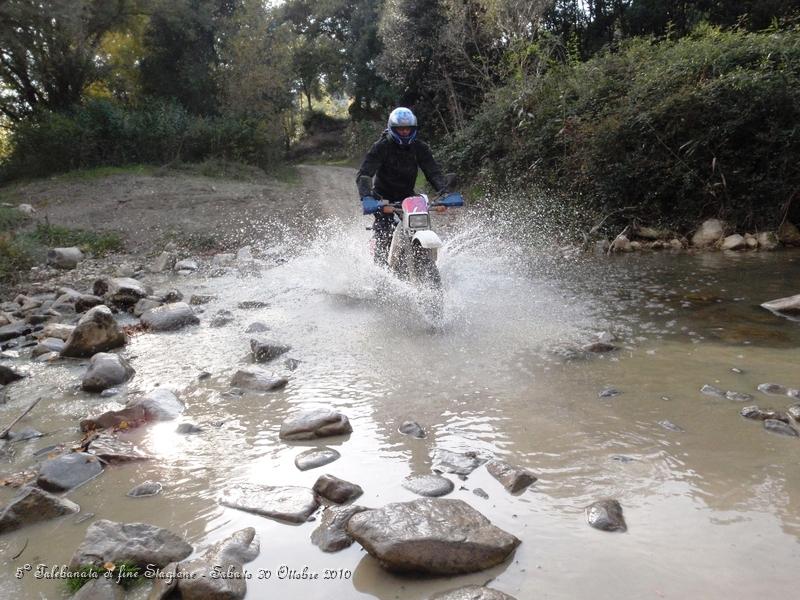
[370, 205]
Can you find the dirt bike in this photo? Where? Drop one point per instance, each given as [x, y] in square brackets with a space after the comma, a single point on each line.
[414, 247]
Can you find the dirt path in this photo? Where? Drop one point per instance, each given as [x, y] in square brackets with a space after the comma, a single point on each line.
[150, 210]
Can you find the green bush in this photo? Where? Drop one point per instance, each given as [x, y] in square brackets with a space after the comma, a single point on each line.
[676, 130]
[104, 133]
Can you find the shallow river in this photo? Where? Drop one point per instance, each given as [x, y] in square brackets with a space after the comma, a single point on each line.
[713, 511]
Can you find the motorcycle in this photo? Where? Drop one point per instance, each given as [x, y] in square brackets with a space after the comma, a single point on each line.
[413, 250]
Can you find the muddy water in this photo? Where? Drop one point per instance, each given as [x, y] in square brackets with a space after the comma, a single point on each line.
[713, 512]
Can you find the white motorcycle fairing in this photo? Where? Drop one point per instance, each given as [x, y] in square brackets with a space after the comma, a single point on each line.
[427, 239]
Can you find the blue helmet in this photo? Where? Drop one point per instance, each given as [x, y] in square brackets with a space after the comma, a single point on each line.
[402, 117]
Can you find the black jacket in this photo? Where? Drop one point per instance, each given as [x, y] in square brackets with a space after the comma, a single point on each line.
[395, 168]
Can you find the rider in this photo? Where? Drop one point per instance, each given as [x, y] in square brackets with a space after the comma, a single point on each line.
[393, 160]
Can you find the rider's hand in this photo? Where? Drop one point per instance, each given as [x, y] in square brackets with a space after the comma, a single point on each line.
[370, 205]
[387, 209]
[441, 209]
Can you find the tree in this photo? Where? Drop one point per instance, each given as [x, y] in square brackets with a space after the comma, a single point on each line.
[48, 51]
[181, 57]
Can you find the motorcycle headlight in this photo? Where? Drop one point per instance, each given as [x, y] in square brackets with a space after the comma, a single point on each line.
[418, 221]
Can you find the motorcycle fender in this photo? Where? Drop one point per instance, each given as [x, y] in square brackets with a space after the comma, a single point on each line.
[427, 239]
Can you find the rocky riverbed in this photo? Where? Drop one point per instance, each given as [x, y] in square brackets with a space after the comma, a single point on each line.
[286, 410]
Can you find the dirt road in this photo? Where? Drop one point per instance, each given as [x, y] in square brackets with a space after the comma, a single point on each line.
[149, 210]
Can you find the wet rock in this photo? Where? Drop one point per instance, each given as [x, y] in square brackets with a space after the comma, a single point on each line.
[28, 433]
[105, 371]
[48, 345]
[32, 505]
[257, 327]
[738, 396]
[457, 463]
[432, 536]
[67, 471]
[251, 304]
[337, 490]
[137, 543]
[87, 302]
[198, 579]
[670, 426]
[122, 419]
[789, 234]
[198, 299]
[9, 375]
[472, 592]
[599, 347]
[793, 393]
[293, 363]
[186, 265]
[145, 304]
[331, 534]
[168, 296]
[776, 426]
[621, 244]
[57, 330]
[789, 306]
[170, 317]
[315, 457]
[751, 241]
[97, 331]
[758, 414]
[767, 240]
[710, 232]
[14, 330]
[317, 423]
[608, 393]
[514, 479]
[64, 258]
[222, 318]
[120, 291]
[710, 390]
[159, 405]
[794, 412]
[284, 503]
[188, 429]
[109, 393]
[412, 428]
[163, 262]
[734, 242]
[736, 370]
[112, 450]
[265, 351]
[480, 493]
[606, 515]
[146, 489]
[773, 389]
[430, 486]
[253, 378]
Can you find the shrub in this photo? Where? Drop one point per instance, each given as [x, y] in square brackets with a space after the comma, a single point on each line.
[677, 130]
[105, 133]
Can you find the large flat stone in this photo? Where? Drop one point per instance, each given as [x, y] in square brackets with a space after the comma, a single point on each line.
[284, 503]
[514, 479]
[431, 536]
[138, 543]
